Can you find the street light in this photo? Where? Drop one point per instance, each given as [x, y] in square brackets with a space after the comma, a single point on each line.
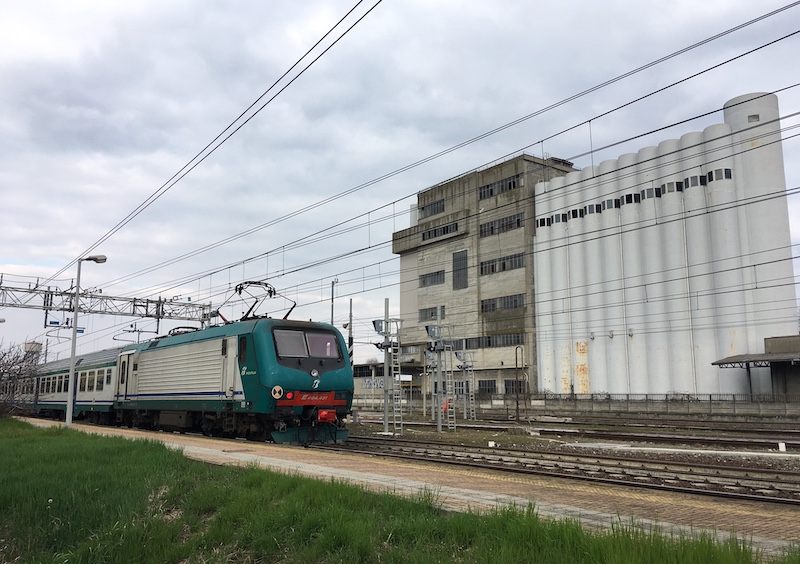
[99, 259]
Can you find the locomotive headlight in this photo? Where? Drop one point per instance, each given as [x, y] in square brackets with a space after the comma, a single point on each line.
[315, 373]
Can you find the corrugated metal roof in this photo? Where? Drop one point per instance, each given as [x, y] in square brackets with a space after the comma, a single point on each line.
[758, 359]
[90, 359]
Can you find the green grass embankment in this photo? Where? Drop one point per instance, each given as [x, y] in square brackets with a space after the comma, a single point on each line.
[71, 497]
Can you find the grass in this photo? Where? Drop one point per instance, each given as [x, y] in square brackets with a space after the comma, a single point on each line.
[76, 498]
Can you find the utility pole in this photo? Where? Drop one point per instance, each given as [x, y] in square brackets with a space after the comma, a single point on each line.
[386, 366]
[73, 381]
[440, 384]
[350, 335]
[334, 281]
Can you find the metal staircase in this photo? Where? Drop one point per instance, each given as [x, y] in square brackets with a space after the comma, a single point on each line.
[397, 387]
[449, 401]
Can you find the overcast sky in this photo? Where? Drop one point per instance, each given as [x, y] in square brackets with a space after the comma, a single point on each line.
[101, 103]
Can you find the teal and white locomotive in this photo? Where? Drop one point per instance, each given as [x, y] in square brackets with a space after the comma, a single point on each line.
[260, 378]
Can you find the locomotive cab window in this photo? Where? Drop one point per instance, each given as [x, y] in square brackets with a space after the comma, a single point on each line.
[322, 345]
[299, 344]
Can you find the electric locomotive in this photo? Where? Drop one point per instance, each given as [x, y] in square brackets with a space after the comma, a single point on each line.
[260, 378]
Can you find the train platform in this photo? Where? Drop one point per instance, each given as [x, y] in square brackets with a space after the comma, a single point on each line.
[768, 527]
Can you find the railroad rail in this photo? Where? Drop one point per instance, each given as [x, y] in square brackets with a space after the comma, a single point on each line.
[751, 483]
[753, 436]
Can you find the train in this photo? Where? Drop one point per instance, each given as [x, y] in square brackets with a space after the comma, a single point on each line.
[276, 380]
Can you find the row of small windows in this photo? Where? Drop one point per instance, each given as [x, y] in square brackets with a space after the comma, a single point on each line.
[91, 381]
[429, 313]
[440, 231]
[494, 341]
[10, 388]
[88, 383]
[502, 225]
[511, 386]
[488, 342]
[498, 187]
[53, 384]
[502, 264]
[431, 209]
[636, 198]
[431, 279]
[460, 270]
[505, 302]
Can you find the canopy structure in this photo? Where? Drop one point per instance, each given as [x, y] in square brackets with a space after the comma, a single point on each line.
[758, 359]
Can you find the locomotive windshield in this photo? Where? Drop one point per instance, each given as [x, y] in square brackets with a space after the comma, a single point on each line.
[304, 344]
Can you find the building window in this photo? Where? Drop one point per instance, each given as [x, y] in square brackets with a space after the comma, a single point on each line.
[429, 313]
[506, 302]
[499, 187]
[494, 341]
[502, 264]
[514, 386]
[502, 225]
[431, 279]
[487, 387]
[440, 231]
[431, 209]
[460, 272]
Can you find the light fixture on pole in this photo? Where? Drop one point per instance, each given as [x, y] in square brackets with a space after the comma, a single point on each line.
[100, 259]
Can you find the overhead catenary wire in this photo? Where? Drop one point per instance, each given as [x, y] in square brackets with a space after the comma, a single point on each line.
[415, 164]
[381, 244]
[231, 130]
[754, 20]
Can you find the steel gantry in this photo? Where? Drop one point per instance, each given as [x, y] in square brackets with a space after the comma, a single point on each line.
[441, 343]
[54, 299]
[389, 328]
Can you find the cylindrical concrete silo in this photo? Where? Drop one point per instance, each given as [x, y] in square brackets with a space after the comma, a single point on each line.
[594, 242]
[543, 287]
[726, 255]
[633, 274]
[699, 272]
[691, 315]
[577, 281]
[611, 333]
[651, 325]
[758, 174]
[559, 297]
[675, 329]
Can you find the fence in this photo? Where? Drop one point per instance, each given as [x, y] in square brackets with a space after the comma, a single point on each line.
[532, 405]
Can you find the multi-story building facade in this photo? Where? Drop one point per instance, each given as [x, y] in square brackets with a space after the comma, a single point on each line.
[630, 277]
[467, 258]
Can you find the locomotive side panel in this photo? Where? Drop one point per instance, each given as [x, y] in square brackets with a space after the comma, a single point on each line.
[186, 376]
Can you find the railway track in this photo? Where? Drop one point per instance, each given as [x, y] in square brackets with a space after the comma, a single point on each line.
[722, 480]
[747, 436]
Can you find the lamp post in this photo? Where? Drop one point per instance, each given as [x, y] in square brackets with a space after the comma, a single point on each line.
[100, 259]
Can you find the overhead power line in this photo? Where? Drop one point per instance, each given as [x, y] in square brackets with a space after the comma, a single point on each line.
[231, 130]
[453, 148]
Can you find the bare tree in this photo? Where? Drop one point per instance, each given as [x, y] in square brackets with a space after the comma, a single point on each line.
[17, 367]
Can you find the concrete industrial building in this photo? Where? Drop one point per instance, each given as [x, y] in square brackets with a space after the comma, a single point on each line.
[467, 255]
[630, 277]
